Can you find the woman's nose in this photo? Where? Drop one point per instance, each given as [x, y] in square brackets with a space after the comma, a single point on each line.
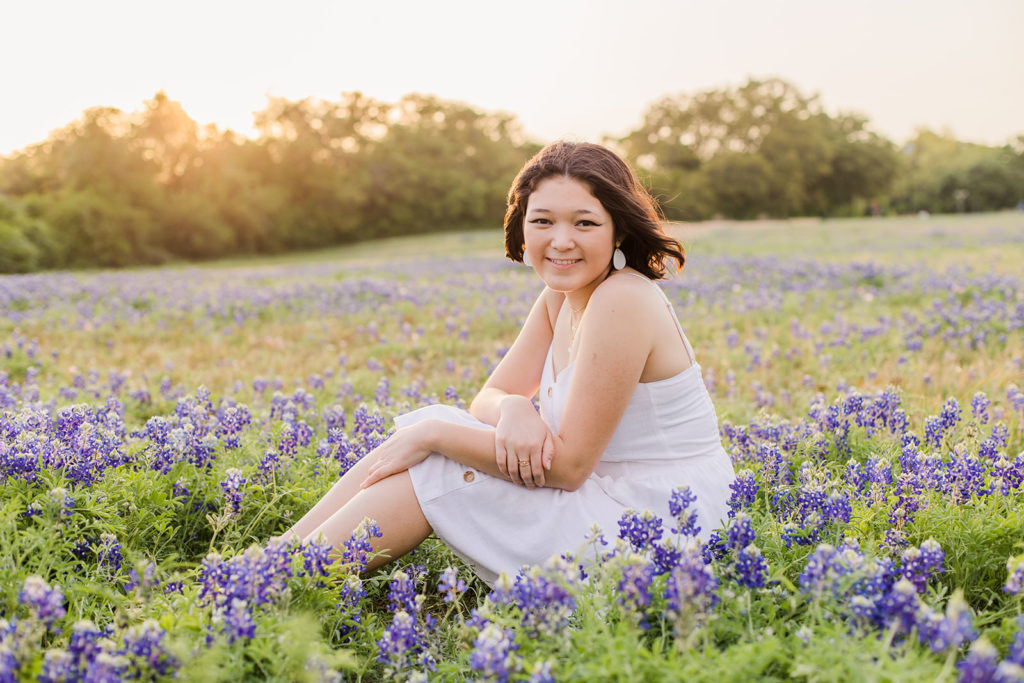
[562, 237]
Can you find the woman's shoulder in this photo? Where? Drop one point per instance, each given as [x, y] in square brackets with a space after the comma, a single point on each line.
[625, 287]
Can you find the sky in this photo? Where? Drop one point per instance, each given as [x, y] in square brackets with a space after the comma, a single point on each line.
[566, 69]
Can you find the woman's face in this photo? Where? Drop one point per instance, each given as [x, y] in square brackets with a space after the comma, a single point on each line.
[568, 234]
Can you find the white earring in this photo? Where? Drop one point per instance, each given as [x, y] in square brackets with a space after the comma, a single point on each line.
[618, 259]
[526, 260]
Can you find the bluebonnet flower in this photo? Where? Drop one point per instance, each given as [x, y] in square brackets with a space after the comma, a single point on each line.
[679, 503]
[642, 530]
[744, 490]
[1014, 575]
[933, 431]
[950, 414]
[145, 647]
[316, 559]
[690, 591]
[144, 583]
[979, 666]
[268, 464]
[65, 503]
[1016, 653]
[894, 541]
[33, 509]
[837, 507]
[402, 593]
[450, 585]
[232, 488]
[334, 417]
[544, 594]
[236, 620]
[494, 653]
[1009, 475]
[953, 629]
[740, 532]
[404, 645]
[634, 588]
[45, 603]
[821, 574]
[979, 407]
[901, 605]
[919, 564]
[231, 419]
[358, 546]
[109, 553]
[350, 606]
[751, 567]
[58, 665]
[234, 588]
[180, 489]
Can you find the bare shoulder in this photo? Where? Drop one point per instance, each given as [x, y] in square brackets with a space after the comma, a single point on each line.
[623, 291]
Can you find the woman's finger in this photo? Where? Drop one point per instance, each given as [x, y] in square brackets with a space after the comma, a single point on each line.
[548, 450]
[513, 468]
[537, 467]
[501, 455]
[376, 473]
[526, 471]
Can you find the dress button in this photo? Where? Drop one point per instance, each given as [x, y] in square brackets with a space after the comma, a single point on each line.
[549, 392]
[468, 475]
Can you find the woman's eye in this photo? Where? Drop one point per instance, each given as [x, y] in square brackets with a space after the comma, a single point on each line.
[539, 221]
[587, 224]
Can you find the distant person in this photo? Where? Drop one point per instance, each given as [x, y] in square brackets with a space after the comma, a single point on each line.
[624, 413]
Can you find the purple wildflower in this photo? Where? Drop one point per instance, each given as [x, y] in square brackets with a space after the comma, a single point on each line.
[45, 603]
[1014, 575]
[979, 666]
[744, 490]
[148, 655]
[109, 553]
[979, 407]
[751, 567]
[679, 503]
[232, 487]
[494, 653]
[642, 530]
[545, 596]
[358, 546]
[450, 585]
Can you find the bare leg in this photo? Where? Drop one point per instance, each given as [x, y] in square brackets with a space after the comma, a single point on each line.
[342, 492]
[391, 503]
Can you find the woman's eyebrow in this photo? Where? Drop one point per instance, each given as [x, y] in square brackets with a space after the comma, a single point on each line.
[549, 211]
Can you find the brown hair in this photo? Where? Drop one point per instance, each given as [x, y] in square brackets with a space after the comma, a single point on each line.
[634, 213]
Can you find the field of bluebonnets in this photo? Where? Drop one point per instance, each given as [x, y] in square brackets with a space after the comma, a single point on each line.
[159, 426]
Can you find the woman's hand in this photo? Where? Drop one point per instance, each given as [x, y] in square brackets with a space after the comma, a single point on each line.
[408, 446]
[523, 445]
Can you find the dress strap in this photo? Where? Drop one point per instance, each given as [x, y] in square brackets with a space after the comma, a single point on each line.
[672, 310]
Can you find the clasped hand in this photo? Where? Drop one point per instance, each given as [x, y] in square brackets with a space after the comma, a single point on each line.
[523, 443]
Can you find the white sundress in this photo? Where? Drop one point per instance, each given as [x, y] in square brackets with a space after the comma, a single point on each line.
[668, 437]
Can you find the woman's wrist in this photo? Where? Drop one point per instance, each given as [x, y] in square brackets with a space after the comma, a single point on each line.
[512, 401]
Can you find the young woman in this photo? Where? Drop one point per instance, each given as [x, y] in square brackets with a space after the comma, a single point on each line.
[625, 416]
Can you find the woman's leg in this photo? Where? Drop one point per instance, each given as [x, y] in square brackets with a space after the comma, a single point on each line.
[392, 503]
[342, 492]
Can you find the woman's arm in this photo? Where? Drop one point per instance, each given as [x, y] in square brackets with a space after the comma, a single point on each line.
[616, 336]
[518, 374]
[521, 434]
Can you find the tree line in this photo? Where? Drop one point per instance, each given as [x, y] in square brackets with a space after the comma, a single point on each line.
[117, 188]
